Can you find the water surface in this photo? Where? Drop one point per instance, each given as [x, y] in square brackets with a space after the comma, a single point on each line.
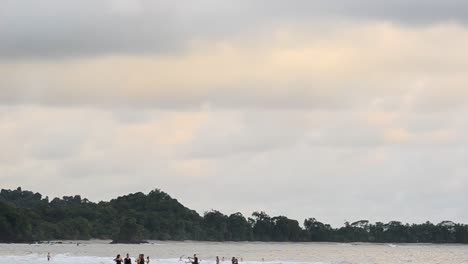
[100, 252]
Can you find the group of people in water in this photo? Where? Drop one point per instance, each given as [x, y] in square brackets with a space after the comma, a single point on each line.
[127, 260]
[234, 260]
[142, 260]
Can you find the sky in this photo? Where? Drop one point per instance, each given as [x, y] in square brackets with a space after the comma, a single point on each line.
[339, 110]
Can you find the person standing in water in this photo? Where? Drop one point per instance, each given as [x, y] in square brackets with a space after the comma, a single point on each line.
[147, 260]
[141, 259]
[217, 260]
[48, 256]
[118, 259]
[195, 259]
[127, 259]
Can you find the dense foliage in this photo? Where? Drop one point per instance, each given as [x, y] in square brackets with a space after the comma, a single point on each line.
[26, 216]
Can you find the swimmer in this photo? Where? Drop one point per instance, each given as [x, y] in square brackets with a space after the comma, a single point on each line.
[127, 259]
[195, 259]
[140, 259]
[118, 259]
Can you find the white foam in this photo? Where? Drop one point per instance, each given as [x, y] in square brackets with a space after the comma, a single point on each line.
[62, 258]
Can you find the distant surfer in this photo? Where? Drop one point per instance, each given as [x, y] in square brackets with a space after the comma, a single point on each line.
[48, 256]
[127, 259]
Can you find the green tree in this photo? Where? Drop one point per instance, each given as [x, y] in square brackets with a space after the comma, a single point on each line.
[239, 228]
[262, 226]
[129, 231]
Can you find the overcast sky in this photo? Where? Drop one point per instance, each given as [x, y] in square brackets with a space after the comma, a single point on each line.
[340, 110]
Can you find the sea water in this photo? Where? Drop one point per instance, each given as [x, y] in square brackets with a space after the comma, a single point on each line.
[101, 252]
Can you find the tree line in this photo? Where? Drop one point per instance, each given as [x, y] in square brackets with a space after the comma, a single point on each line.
[26, 216]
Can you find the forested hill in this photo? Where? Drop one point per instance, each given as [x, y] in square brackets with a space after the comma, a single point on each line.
[27, 216]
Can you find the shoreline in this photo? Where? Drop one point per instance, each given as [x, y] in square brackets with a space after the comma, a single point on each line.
[160, 242]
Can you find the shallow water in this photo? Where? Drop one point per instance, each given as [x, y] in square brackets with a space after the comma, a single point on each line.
[94, 252]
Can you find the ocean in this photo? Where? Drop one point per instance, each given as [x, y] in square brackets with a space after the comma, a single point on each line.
[101, 252]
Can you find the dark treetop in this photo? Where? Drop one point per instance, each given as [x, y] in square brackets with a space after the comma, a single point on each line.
[26, 216]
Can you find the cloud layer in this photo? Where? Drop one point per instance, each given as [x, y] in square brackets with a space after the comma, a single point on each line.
[56, 28]
[328, 109]
[283, 68]
[334, 165]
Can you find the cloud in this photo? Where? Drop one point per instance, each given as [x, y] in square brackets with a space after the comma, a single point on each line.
[398, 135]
[297, 109]
[194, 168]
[251, 159]
[56, 29]
[343, 68]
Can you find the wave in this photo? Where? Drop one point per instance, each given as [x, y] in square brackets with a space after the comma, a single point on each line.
[61, 258]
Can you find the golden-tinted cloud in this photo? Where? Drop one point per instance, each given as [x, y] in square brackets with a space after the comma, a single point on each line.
[288, 67]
